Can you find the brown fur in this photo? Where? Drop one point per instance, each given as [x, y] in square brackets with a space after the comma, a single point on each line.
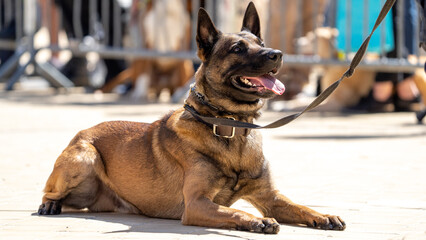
[176, 167]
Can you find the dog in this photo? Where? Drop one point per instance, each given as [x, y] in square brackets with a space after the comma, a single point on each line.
[165, 26]
[180, 167]
[162, 74]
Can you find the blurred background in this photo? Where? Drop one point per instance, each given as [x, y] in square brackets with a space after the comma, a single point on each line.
[145, 50]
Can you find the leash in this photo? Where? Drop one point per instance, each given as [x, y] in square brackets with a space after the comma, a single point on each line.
[318, 100]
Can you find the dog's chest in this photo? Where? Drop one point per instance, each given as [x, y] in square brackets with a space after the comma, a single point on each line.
[236, 168]
[240, 175]
[232, 189]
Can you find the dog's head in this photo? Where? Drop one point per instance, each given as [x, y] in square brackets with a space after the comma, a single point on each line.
[237, 66]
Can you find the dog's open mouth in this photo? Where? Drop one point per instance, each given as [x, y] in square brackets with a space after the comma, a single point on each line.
[259, 83]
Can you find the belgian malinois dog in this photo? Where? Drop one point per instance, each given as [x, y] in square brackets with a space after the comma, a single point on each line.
[180, 167]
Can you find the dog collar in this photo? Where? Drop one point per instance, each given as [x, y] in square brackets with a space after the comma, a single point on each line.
[202, 99]
[218, 129]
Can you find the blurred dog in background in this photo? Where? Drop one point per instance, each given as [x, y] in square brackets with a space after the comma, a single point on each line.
[164, 26]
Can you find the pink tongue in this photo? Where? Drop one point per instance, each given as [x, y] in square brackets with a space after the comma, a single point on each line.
[268, 82]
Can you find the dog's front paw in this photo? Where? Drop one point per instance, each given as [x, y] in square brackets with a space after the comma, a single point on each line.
[264, 225]
[50, 208]
[327, 222]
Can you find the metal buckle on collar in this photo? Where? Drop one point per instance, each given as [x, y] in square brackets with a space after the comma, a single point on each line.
[229, 136]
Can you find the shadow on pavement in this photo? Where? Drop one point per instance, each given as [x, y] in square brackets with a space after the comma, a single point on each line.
[140, 223]
[354, 137]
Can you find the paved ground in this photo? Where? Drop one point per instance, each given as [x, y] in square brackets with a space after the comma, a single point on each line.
[369, 169]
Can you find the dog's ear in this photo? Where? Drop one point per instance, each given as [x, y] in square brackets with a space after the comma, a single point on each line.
[207, 34]
[251, 20]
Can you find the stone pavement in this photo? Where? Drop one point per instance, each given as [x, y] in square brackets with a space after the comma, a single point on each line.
[369, 169]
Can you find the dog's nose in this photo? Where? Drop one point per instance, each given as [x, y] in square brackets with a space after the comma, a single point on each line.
[275, 55]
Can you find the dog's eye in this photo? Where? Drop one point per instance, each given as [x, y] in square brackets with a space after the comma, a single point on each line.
[236, 49]
[262, 44]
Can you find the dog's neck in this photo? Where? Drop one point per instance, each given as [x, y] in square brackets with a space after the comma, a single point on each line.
[199, 99]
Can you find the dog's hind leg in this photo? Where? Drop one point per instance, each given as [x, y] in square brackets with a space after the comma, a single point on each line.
[74, 181]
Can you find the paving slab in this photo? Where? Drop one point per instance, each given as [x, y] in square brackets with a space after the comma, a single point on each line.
[370, 169]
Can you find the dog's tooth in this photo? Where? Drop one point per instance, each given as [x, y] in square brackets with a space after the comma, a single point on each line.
[247, 82]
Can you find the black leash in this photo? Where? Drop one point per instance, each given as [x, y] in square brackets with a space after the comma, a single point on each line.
[318, 100]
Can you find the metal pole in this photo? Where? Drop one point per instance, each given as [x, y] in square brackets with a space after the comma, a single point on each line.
[29, 20]
[266, 38]
[92, 16]
[332, 13]
[315, 25]
[184, 39]
[209, 8]
[282, 28]
[1, 14]
[48, 12]
[195, 6]
[348, 28]
[299, 23]
[417, 32]
[8, 11]
[117, 24]
[105, 19]
[76, 19]
[365, 29]
[60, 19]
[399, 28]
[383, 34]
[400, 35]
[18, 19]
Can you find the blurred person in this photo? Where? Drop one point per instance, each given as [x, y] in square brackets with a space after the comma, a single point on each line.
[8, 24]
[422, 35]
[422, 43]
[76, 68]
[398, 91]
